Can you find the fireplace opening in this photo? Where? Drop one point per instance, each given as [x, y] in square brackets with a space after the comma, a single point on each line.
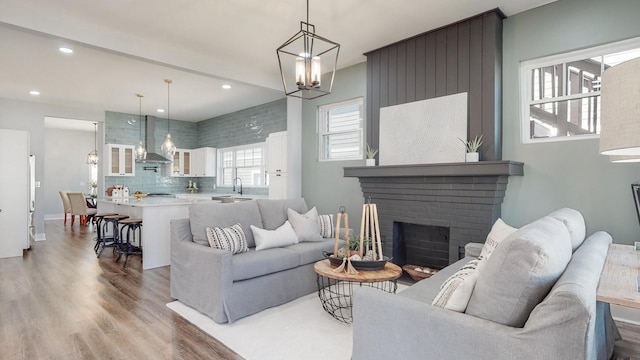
[422, 245]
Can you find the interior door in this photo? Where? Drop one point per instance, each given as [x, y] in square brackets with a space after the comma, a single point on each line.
[14, 192]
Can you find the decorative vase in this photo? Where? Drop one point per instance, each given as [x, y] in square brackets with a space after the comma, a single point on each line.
[370, 162]
[472, 157]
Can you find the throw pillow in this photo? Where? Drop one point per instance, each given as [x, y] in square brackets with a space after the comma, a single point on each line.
[520, 272]
[229, 239]
[305, 225]
[499, 231]
[574, 221]
[282, 236]
[325, 222]
[457, 289]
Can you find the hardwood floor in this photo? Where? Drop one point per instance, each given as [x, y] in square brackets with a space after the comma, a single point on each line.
[60, 302]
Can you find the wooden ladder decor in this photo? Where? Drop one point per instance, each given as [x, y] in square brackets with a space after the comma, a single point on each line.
[370, 229]
[346, 262]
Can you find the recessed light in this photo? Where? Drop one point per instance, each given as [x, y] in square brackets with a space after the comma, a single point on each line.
[65, 50]
[34, 92]
[160, 110]
[226, 86]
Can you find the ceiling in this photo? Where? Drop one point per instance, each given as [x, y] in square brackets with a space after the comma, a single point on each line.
[126, 47]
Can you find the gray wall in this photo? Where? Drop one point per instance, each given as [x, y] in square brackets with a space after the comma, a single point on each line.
[323, 184]
[65, 167]
[22, 115]
[569, 173]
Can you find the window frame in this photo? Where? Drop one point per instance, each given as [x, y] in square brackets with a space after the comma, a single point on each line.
[233, 149]
[525, 85]
[321, 117]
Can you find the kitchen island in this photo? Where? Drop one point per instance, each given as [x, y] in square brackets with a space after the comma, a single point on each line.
[156, 213]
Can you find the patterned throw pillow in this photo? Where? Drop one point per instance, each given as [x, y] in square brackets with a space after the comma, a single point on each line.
[326, 225]
[229, 239]
[455, 292]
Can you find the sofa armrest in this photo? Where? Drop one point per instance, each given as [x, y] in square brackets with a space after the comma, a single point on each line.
[388, 326]
[473, 249]
[193, 265]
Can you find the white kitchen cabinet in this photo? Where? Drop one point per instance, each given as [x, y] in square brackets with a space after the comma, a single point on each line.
[277, 152]
[203, 162]
[120, 160]
[181, 164]
[277, 158]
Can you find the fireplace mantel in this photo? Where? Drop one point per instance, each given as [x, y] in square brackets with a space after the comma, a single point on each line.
[481, 168]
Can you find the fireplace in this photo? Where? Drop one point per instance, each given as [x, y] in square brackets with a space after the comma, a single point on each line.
[422, 245]
[459, 201]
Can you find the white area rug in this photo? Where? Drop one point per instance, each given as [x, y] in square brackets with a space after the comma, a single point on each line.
[300, 329]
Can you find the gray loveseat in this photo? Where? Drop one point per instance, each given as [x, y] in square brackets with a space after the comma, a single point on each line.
[228, 287]
[567, 323]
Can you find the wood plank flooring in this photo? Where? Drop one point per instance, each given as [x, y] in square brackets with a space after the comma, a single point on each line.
[60, 302]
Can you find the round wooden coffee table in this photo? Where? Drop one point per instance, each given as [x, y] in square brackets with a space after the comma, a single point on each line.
[335, 290]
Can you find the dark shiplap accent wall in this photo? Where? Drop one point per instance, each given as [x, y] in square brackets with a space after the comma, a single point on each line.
[462, 57]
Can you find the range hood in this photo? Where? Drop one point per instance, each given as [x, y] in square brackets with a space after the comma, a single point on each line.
[150, 138]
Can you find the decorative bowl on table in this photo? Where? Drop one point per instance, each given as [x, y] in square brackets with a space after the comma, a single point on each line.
[359, 264]
[418, 273]
[139, 196]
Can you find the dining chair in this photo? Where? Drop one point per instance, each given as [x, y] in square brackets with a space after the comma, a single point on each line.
[79, 207]
[66, 205]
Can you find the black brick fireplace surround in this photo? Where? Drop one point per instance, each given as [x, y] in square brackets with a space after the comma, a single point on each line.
[464, 197]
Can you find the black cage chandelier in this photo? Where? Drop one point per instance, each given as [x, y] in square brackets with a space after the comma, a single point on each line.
[300, 59]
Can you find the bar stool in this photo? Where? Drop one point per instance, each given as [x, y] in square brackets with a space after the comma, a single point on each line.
[98, 238]
[113, 240]
[128, 245]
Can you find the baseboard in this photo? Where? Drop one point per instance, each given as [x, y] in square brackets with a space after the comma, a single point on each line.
[41, 237]
[54, 217]
[625, 314]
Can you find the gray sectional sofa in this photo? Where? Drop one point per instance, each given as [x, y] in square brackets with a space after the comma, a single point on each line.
[228, 287]
[566, 323]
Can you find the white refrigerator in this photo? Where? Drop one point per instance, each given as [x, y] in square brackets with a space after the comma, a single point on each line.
[32, 201]
[14, 192]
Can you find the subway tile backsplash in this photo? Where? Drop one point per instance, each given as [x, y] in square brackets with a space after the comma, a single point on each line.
[243, 127]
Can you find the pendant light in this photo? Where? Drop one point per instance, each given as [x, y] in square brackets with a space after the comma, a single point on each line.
[168, 147]
[300, 59]
[141, 152]
[92, 157]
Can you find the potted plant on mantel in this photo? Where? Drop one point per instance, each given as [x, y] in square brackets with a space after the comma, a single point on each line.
[371, 153]
[471, 147]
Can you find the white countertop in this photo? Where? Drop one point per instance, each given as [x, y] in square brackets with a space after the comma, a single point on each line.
[185, 199]
[146, 201]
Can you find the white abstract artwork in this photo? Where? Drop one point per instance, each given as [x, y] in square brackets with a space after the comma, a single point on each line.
[424, 132]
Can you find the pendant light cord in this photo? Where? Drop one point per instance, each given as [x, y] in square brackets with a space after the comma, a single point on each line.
[168, 105]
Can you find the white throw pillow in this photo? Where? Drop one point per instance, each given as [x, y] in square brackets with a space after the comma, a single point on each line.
[499, 231]
[456, 291]
[282, 236]
[305, 225]
[325, 222]
[228, 239]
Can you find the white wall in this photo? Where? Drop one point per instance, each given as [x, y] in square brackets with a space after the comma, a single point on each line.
[23, 115]
[65, 167]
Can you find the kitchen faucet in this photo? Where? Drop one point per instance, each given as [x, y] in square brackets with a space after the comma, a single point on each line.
[234, 185]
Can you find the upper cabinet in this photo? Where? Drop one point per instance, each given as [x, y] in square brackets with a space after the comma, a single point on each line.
[203, 162]
[120, 160]
[277, 152]
[181, 165]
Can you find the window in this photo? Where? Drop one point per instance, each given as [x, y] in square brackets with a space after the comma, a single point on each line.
[340, 130]
[561, 94]
[244, 162]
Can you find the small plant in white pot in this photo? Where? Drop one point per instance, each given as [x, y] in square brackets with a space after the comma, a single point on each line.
[471, 147]
[371, 154]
